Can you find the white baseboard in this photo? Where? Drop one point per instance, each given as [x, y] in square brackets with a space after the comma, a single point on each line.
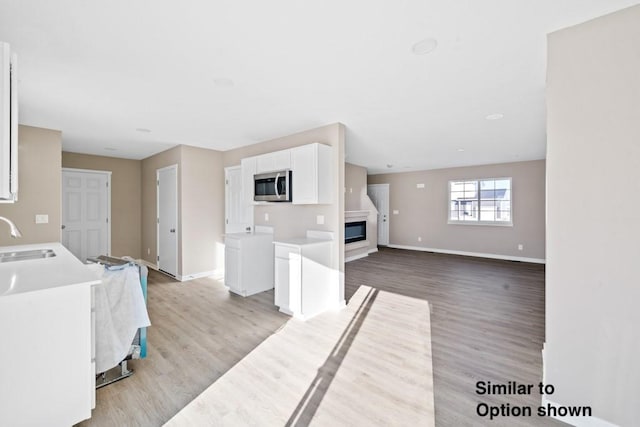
[474, 254]
[578, 421]
[217, 274]
[374, 250]
[355, 257]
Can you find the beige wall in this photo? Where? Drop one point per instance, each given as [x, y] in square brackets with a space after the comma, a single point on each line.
[126, 198]
[423, 212]
[294, 220]
[39, 180]
[355, 179]
[356, 199]
[202, 210]
[593, 163]
[169, 157]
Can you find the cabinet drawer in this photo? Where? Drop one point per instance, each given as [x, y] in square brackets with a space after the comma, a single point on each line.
[284, 251]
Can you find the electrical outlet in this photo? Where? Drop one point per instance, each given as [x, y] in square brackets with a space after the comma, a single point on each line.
[350, 190]
[419, 239]
[320, 219]
[520, 247]
[266, 216]
[419, 185]
[148, 251]
[42, 219]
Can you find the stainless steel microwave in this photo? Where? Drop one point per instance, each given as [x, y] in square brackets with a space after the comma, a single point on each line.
[272, 186]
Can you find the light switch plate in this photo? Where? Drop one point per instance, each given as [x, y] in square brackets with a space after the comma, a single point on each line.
[42, 219]
[419, 185]
[396, 212]
[266, 216]
[320, 219]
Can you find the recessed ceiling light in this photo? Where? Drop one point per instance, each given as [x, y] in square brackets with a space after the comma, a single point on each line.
[460, 150]
[425, 46]
[110, 149]
[494, 116]
[143, 130]
[223, 82]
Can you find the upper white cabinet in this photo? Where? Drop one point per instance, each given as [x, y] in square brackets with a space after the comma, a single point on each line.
[8, 124]
[276, 161]
[312, 174]
[248, 168]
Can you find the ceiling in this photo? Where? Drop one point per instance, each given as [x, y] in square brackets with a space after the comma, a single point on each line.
[131, 78]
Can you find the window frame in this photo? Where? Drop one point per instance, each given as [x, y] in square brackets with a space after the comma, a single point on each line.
[478, 199]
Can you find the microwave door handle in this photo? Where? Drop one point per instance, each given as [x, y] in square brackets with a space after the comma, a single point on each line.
[275, 185]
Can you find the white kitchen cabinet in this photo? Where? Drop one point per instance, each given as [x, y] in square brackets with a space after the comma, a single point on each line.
[8, 124]
[305, 283]
[312, 174]
[275, 161]
[47, 355]
[248, 264]
[248, 167]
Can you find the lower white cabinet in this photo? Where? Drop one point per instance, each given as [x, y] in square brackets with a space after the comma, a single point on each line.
[47, 370]
[305, 284]
[248, 263]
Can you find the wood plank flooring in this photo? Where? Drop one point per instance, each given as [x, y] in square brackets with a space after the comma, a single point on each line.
[365, 365]
[199, 331]
[487, 323]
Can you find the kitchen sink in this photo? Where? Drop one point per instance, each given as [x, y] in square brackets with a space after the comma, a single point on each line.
[26, 255]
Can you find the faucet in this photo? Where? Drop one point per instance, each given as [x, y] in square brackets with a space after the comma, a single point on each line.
[14, 230]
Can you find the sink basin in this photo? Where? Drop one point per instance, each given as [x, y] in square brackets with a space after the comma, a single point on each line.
[26, 255]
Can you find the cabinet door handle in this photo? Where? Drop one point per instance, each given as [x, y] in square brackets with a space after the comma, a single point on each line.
[172, 230]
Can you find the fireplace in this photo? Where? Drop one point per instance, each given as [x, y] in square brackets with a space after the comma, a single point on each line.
[355, 231]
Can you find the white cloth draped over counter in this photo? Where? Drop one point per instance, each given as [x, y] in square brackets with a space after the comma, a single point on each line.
[120, 311]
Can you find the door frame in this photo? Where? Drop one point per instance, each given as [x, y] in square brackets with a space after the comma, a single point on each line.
[174, 166]
[94, 171]
[387, 186]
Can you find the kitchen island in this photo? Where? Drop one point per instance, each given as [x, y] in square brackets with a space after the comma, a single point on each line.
[46, 330]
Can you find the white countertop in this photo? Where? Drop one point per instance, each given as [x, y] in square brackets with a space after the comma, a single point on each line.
[300, 241]
[245, 235]
[35, 275]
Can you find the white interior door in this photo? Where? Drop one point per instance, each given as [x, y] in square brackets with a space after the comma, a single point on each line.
[379, 195]
[86, 212]
[234, 206]
[167, 232]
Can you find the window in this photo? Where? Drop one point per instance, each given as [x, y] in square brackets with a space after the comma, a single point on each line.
[480, 201]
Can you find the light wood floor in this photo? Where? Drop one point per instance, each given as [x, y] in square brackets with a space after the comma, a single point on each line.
[368, 364]
[487, 323]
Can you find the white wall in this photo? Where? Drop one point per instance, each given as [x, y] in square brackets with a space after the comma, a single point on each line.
[592, 352]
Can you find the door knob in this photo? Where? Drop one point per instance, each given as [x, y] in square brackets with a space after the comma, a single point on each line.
[64, 226]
